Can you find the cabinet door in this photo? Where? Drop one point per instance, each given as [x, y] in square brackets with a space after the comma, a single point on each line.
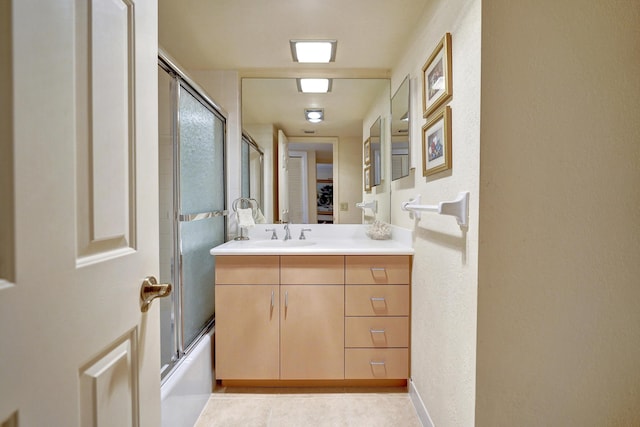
[312, 332]
[247, 332]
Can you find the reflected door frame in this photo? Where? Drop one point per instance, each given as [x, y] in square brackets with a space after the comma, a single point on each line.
[336, 162]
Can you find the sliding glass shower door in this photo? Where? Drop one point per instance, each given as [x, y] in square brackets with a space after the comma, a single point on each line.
[198, 217]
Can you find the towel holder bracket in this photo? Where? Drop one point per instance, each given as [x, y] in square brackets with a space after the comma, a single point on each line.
[458, 208]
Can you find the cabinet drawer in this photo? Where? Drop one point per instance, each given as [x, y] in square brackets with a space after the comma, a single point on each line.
[377, 332]
[312, 270]
[381, 270]
[371, 363]
[247, 270]
[376, 300]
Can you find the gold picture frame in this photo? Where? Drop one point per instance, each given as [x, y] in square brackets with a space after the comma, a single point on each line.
[436, 77]
[436, 143]
[367, 151]
[367, 178]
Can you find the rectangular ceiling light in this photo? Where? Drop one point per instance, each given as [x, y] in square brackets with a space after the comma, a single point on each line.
[313, 51]
[314, 85]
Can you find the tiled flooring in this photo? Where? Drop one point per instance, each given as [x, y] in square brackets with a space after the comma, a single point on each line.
[312, 407]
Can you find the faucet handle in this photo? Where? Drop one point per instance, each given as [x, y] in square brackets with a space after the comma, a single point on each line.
[302, 236]
[274, 236]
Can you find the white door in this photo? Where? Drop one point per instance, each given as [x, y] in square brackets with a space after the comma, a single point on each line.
[75, 348]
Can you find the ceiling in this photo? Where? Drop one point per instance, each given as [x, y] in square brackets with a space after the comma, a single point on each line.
[252, 37]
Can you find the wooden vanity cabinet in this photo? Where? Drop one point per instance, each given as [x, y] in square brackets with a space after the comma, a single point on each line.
[377, 309]
[290, 330]
[247, 331]
[312, 317]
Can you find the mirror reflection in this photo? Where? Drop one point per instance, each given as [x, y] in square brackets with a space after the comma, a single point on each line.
[400, 131]
[251, 169]
[305, 181]
[310, 183]
[375, 134]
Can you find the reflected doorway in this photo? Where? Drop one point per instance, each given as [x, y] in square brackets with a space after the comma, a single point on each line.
[310, 183]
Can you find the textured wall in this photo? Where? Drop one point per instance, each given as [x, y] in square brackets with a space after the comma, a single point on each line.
[559, 277]
[444, 293]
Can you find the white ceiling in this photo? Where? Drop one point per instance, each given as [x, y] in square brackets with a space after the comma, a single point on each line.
[252, 37]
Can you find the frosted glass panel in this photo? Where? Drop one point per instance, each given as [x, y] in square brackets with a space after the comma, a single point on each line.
[198, 237]
[201, 157]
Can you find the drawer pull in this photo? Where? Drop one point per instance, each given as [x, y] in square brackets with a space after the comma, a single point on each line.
[374, 269]
[377, 298]
[372, 363]
[272, 297]
[376, 331]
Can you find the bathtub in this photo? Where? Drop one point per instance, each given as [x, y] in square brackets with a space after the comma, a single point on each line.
[187, 390]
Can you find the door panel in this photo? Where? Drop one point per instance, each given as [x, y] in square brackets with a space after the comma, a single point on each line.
[106, 142]
[86, 226]
[311, 332]
[247, 332]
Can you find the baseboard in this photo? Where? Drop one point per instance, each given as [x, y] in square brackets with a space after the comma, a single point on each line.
[423, 415]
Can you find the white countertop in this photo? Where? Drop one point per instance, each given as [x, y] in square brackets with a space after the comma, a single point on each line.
[323, 239]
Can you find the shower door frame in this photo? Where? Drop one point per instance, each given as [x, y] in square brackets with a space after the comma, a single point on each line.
[180, 81]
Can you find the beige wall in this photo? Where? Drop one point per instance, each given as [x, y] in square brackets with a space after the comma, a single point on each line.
[444, 289]
[559, 269]
[7, 240]
[350, 190]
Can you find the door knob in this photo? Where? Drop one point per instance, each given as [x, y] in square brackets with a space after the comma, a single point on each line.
[151, 290]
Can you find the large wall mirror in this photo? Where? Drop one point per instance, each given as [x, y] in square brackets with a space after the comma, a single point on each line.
[400, 139]
[311, 170]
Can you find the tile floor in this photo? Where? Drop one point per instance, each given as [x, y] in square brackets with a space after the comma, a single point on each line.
[309, 407]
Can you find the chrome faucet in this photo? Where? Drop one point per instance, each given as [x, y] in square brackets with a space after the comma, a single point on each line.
[302, 236]
[287, 233]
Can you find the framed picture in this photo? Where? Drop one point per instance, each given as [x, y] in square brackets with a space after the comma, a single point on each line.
[367, 151]
[324, 196]
[436, 143]
[436, 77]
[367, 178]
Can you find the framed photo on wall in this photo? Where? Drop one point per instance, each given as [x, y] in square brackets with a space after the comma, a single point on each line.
[367, 178]
[367, 151]
[436, 77]
[436, 143]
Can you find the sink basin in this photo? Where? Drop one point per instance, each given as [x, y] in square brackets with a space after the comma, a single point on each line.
[282, 243]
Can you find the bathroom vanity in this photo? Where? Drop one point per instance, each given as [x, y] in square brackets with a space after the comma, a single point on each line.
[332, 309]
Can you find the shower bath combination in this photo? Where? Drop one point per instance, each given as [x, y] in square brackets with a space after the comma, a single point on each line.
[193, 219]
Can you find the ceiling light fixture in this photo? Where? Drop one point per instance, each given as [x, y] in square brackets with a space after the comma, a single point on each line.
[314, 115]
[313, 51]
[314, 85]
